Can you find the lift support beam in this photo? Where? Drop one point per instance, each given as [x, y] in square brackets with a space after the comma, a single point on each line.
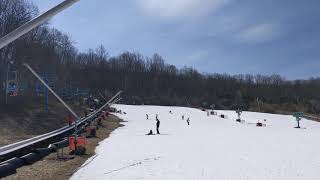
[37, 21]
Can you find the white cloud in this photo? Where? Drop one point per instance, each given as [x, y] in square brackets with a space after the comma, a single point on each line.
[259, 33]
[180, 8]
[197, 56]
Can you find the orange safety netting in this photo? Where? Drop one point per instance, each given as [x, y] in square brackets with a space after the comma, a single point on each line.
[81, 141]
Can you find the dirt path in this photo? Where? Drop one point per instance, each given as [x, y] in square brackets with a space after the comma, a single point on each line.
[51, 168]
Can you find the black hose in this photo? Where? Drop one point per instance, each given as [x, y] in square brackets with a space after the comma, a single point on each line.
[15, 162]
[7, 170]
[43, 152]
[31, 158]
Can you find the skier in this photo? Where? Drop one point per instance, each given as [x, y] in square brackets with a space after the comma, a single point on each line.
[182, 117]
[158, 125]
[147, 116]
[188, 121]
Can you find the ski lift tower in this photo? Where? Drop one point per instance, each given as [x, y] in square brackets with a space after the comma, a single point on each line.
[11, 81]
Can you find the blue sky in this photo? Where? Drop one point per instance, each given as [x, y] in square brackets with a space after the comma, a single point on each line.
[223, 36]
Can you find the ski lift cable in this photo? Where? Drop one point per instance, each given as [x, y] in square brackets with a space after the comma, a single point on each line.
[49, 88]
[102, 96]
[37, 21]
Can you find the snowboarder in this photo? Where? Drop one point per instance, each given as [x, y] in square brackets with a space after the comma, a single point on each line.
[150, 132]
[158, 125]
[147, 116]
[188, 121]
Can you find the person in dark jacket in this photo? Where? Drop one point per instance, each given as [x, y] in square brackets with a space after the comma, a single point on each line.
[188, 121]
[150, 132]
[158, 125]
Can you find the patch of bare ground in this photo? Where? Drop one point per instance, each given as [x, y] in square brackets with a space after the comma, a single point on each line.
[51, 168]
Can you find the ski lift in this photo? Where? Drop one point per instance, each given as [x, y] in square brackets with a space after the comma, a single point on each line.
[50, 79]
[12, 88]
[12, 84]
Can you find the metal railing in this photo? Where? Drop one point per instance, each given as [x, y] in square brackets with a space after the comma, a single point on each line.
[7, 151]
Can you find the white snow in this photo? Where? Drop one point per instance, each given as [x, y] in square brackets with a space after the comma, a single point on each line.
[211, 148]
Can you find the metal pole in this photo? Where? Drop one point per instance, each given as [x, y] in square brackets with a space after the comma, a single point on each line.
[102, 96]
[6, 84]
[66, 105]
[46, 94]
[107, 103]
[37, 21]
[258, 104]
[112, 102]
[57, 96]
[116, 100]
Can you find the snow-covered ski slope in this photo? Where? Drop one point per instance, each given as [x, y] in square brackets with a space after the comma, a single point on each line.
[211, 148]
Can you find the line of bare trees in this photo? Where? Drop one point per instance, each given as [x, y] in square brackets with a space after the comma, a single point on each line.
[145, 80]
